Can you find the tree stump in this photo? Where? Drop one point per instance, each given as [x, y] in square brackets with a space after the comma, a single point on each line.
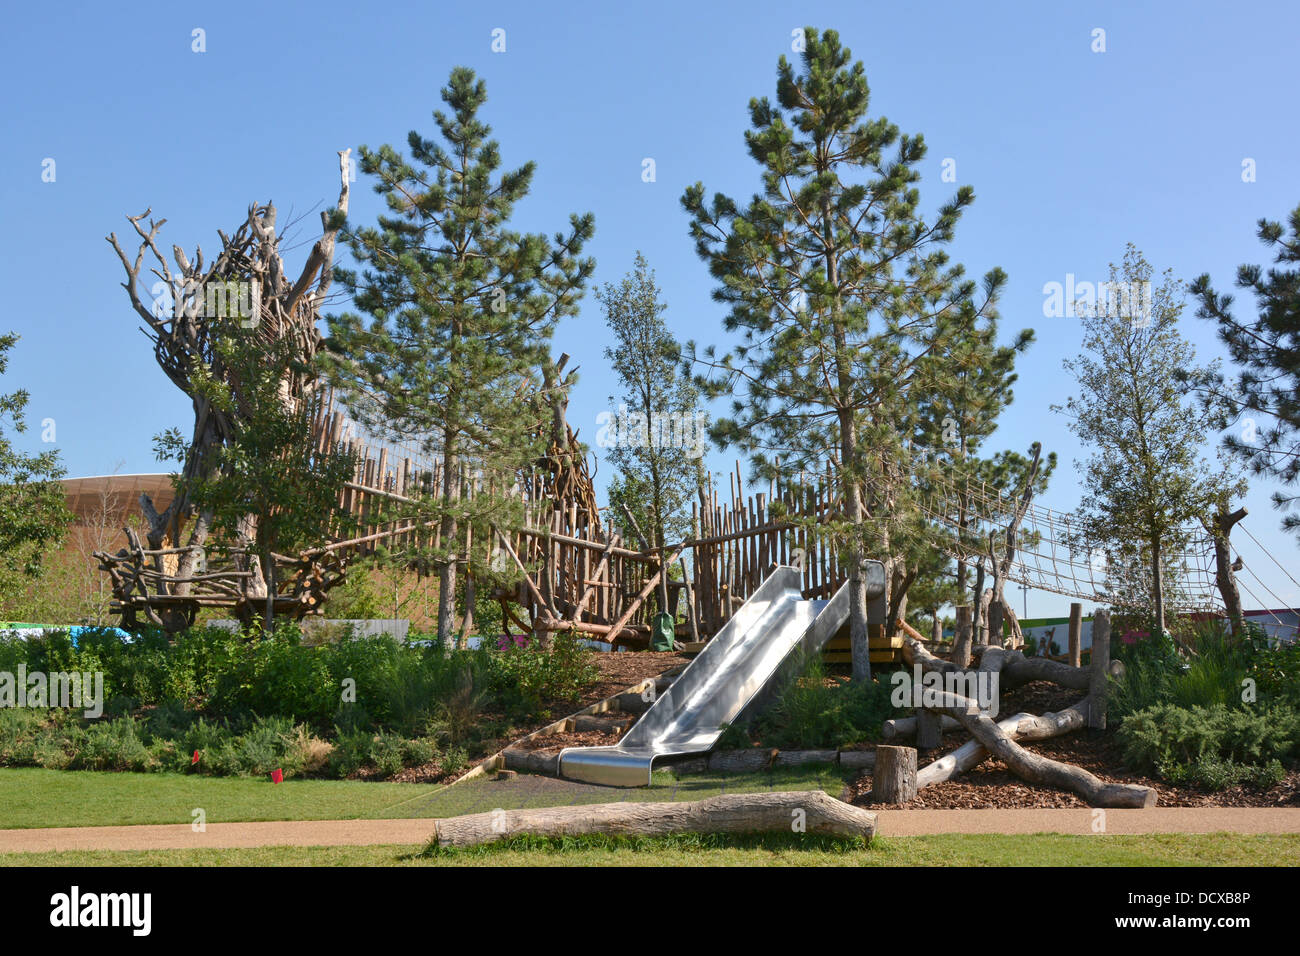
[893, 780]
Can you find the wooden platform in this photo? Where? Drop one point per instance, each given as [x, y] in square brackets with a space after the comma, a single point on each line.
[883, 650]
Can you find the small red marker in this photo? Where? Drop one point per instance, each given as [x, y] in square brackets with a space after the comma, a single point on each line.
[277, 775]
[196, 758]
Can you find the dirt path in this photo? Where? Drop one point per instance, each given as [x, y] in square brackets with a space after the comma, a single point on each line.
[416, 831]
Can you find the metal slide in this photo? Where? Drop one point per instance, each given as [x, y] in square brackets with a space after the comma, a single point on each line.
[768, 636]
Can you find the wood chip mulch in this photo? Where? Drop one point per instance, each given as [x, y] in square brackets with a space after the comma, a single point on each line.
[990, 785]
[554, 743]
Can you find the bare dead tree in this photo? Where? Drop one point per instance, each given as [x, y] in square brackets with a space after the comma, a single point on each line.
[184, 339]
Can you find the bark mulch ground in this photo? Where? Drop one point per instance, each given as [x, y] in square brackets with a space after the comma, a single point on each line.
[990, 785]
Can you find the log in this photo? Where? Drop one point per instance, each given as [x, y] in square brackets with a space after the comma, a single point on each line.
[742, 761]
[1076, 633]
[1099, 671]
[961, 639]
[893, 780]
[799, 758]
[1020, 726]
[857, 759]
[903, 727]
[928, 729]
[1039, 769]
[811, 811]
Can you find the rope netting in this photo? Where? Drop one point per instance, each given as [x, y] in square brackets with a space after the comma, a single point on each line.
[1053, 554]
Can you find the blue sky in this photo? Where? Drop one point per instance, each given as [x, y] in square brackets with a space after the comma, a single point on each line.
[1071, 153]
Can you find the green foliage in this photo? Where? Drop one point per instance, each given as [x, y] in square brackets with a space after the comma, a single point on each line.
[525, 676]
[455, 311]
[853, 323]
[814, 712]
[252, 706]
[269, 468]
[34, 514]
[1213, 773]
[357, 598]
[1146, 486]
[656, 438]
[1267, 350]
[1168, 735]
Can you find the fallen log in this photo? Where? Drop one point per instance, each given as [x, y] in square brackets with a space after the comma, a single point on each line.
[1012, 667]
[901, 727]
[1020, 726]
[1039, 769]
[810, 811]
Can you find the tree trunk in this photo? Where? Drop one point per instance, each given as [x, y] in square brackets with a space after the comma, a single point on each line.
[893, 779]
[1099, 669]
[1076, 634]
[1157, 592]
[811, 811]
[1224, 575]
[961, 641]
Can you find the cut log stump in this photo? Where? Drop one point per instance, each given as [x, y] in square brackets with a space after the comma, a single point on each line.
[894, 778]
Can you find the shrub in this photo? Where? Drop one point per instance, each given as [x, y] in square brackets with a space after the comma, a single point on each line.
[813, 712]
[1167, 735]
[1214, 773]
[525, 677]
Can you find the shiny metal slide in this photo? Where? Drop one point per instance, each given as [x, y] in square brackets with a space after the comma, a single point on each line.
[770, 636]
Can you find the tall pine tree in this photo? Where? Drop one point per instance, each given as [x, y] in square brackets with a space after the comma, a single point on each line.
[849, 310]
[1267, 348]
[459, 312]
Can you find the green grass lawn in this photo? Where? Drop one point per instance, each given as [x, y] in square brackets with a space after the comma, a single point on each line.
[31, 797]
[1218, 849]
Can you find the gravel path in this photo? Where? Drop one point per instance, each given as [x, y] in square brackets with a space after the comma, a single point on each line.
[417, 831]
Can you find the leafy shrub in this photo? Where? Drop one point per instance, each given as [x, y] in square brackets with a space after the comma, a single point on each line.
[814, 713]
[1167, 735]
[1214, 773]
[525, 677]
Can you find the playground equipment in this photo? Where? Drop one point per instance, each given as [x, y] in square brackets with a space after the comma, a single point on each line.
[764, 642]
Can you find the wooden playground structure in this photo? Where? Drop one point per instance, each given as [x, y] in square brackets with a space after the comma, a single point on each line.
[568, 569]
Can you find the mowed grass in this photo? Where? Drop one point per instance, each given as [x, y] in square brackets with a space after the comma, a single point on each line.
[1216, 849]
[32, 797]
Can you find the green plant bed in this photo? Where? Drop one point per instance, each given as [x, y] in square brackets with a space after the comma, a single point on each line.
[251, 705]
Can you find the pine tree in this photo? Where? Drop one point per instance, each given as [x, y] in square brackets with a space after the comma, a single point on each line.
[34, 513]
[656, 436]
[459, 311]
[1146, 483]
[849, 310]
[1268, 351]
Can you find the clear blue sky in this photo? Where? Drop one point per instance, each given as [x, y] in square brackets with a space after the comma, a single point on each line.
[1071, 154]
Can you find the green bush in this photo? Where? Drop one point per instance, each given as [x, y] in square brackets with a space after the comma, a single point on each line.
[1168, 735]
[1214, 773]
[525, 677]
[814, 713]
